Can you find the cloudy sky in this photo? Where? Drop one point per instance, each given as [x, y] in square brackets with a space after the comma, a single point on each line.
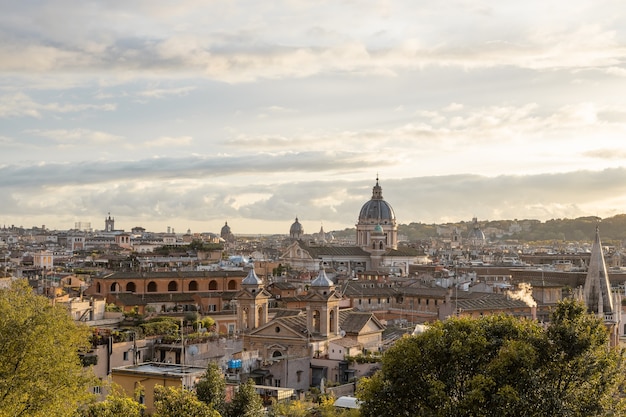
[191, 113]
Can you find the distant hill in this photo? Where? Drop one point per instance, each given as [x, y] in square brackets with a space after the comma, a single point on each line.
[582, 229]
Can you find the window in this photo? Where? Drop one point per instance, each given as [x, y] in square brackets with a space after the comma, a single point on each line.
[232, 285]
[152, 287]
[130, 287]
[277, 382]
[213, 285]
[126, 355]
[97, 389]
[98, 288]
[193, 286]
[172, 286]
[316, 321]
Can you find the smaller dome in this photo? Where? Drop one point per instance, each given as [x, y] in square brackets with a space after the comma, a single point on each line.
[378, 229]
[296, 230]
[225, 230]
[322, 280]
[252, 278]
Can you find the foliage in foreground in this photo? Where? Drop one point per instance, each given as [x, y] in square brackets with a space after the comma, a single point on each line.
[500, 366]
[40, 370]
[176, 402]
[117, 403]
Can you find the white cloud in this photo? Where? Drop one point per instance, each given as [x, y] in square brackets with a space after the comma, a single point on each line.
[19, 104]
[165, 92]
[78, 137]
[167, 142]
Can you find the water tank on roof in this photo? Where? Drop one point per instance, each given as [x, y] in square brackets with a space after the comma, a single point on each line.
[234, 364]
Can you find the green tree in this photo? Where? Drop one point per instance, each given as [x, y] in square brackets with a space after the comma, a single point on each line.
[211, 388]
[499, 366]
[117, 403]
[176, 402]
[40, 369]
[246, 402]
[289, 409]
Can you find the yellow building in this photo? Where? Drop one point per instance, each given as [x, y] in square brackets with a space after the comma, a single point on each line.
[148, 375]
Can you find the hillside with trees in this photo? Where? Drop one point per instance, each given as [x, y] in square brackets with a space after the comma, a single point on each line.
[613, 229]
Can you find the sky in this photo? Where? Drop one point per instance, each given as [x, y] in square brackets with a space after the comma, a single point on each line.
[193, 113]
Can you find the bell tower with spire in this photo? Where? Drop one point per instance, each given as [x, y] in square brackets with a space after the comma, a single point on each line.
[253, 302]
[322, 308]
[597, 293]
[109, 224]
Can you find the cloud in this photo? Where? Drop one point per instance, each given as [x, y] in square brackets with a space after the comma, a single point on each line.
[169, 142]
[20, 104]
[165, 92]
[77, 137]
[607, 153]
[183, 189]
[237, 44]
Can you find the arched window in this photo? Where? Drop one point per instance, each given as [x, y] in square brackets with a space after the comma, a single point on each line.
[114, 287]
[316, 321]
[193, 286]
[232, 284]
[98, 288]
[381, 245]
[152, 287]
[260, 316]
[213, 285]
[331, 317]
[130, 287]
[172, 286]
[277, 354]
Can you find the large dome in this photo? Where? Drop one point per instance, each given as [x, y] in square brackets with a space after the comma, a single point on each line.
[377, 210]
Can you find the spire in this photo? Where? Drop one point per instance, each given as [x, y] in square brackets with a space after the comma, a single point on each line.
[377, 191]
[322, 280]
[597, 289]
[252, 278]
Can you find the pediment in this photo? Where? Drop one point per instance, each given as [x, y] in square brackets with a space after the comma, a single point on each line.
[371, 327]
[278, 329]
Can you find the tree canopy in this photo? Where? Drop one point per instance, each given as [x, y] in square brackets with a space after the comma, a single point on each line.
[246, 402]
[500, 366]
[177, 401]
[40, 370]
[211, 388]
[117, 403]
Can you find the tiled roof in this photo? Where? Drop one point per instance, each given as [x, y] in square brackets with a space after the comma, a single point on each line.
[489, 302]
[175, 274]
[285, 312]
[354, 322]
[134, 299]
[320, 251]
[404, 251]
[364, 288]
